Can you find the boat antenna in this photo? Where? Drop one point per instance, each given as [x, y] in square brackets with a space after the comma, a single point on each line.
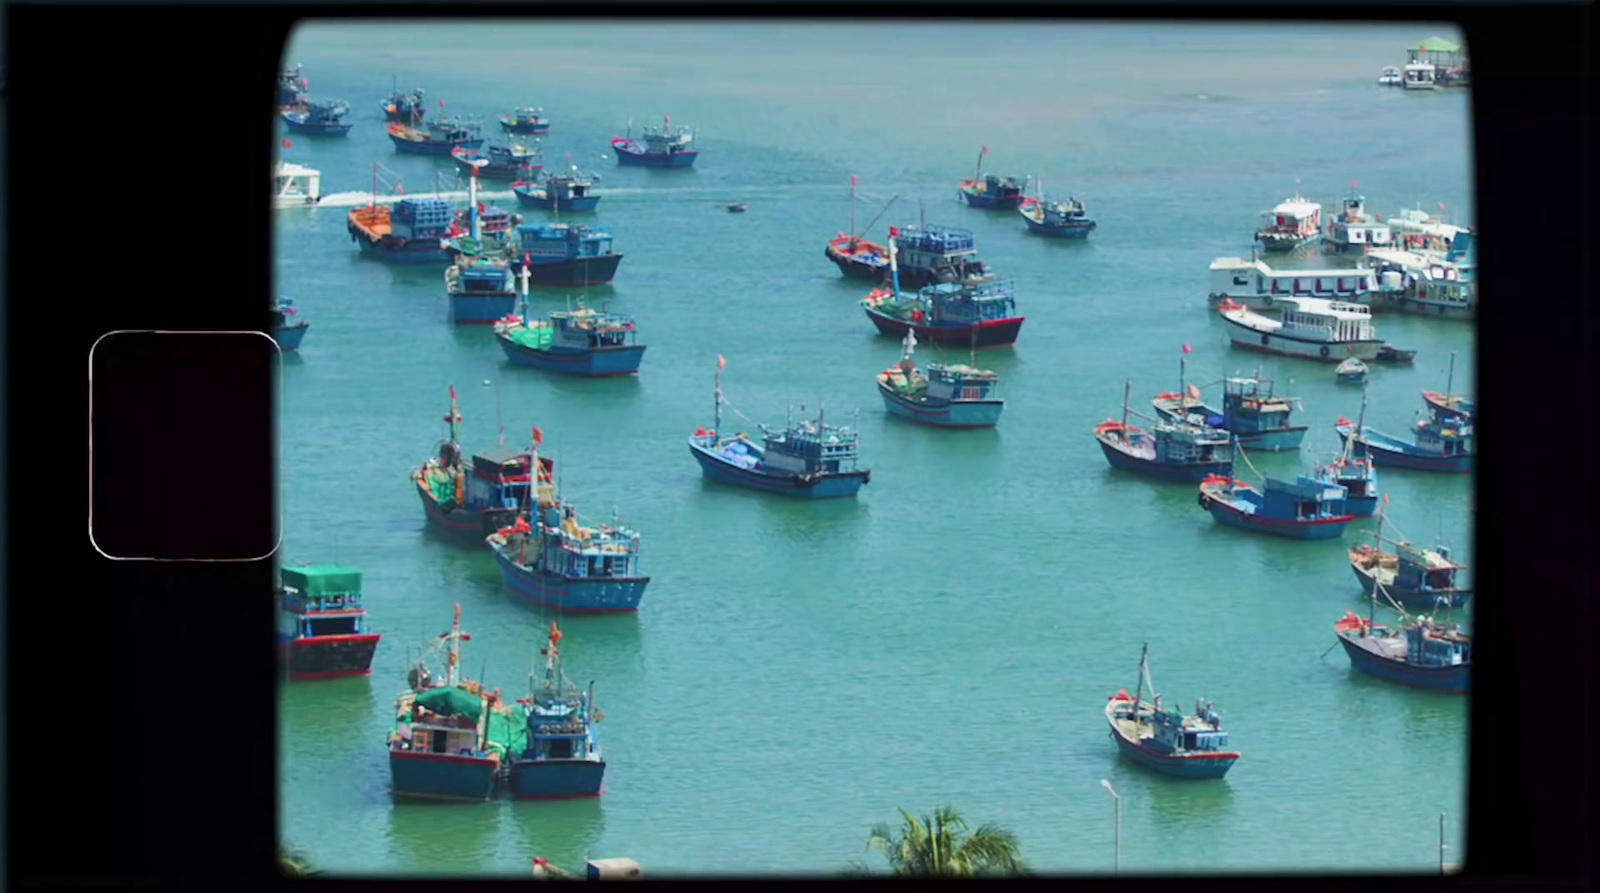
[1451, 380]
[1127, 387]
[979, 172]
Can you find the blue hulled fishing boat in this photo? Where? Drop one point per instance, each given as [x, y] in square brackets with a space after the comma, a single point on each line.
[287, 334]
[1171, 451]
[559, 563]
[404, 107]
[975, 315]
[324, 118]
[437, 138]
[1353, 470]
[656, 148]
[809, 459]
[926, 255]
[1415, 578]
[574, 342]
[569, 191]
[291, 89]
[1250, 411]
[944, 396]
[1061, 220]
[990, 193]
[480, 286]
[499, 161]
[1302, 509]
[566, 254]
[1447, 406]
[411, 232]
[856, 257]
[1350, 371]
[1166, 740]
[525, 121]
[562, 758]
[1440, 444]
[322, 628]
[1420, 654]
[471, 505]
[451, 740]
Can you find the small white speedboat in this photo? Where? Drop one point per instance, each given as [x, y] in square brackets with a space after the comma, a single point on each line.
[1390, 77]
[1351, 371]
[295, 186]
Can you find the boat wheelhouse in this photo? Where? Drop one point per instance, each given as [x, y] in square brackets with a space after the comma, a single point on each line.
[525, 120]
[1419, 76]
[563, 757]
[402, 106]
[1257, 417]
[928, 255]
[943, 396]
[322, 628]
[288, 335]
[663, 147]
[1352, 230]
[564, 564]
[1294, 222]
[1254, 284]
[295, 186]
[481, 290]
[1311, 328]
[291, 88]
[1165, 740]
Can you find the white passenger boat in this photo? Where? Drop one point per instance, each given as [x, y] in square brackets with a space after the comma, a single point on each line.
[1419, 76]
[1254, 284]
[1424, 285]
[1294, 222]
[1352, 230]
[295, 186]
[1313, 328]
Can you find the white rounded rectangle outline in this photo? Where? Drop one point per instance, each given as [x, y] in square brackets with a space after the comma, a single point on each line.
[276, 546]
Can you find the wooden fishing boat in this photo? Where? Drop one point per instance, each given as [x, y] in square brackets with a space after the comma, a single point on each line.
[1350, 371]
[562, 758]
[560, 562]
[1355, 472]
[582, 342]
[1303, 509]
[471, 503]
[1165, 740]
[525, 121]
[1258, 418]
[1420, 654]
[1448, 406]
[1440, 444]
[1061, 220]
[1171, 451]
[499, 161]
[322, 629]
[856, 257]
[663, 147]
[943, 396]
[402, 106]
[990, 193]
[1415, 578]
[437, 138]
[324, 118]
[288, 335]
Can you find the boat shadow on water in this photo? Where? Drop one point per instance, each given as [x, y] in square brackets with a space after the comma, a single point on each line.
[1177, 804]
[567, 832]
[436, 838]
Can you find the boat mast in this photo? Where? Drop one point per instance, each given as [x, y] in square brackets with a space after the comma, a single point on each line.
[453, 418]
[894, 265]
[455, 638]
[525, 276]
[852, 209]
[716, 425]
[1452, 378]
[979, 172]
[1127, 387]
[472, 202]
[1138, 690]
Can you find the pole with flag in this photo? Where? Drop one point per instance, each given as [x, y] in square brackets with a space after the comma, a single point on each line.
[852, 208]
[716, 424]
[454, 418]
[526, 274]
[894, 265]
[1183, 390]
[472, 201]
[979, 172]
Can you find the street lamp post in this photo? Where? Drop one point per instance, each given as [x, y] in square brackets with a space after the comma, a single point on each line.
[1116, 866]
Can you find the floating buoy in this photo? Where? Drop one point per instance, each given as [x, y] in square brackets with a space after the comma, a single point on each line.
[486, 382]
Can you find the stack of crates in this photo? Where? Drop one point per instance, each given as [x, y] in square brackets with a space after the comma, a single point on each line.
[421, 217]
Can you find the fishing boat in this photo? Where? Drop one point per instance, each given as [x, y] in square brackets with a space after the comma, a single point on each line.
[1354, 470]
[944, 396]
[288, 335]
[470, 505]
[856, 257]
[1391, 354]
[451, 739]
[295, 186]
[737, 208]
[1351, 371]
[1251, 283]
[928, 255]
[565, 254]
[404, 107]
[1419, 76]
[809, 459]
[1171, 451]
[991, 193]
[570, 191]
[1390, 76]
[560, 563]
[324, 118]
[437, 138]
[481, 290]
[981, 314]
[656, 148]
[1448, 406]
[1294, 222]
[1302, 509]
[1257, 417]
[563, 757]
[1351, 229]
[525, 121]
[1165, 740]
[500, 161]
[412, 232]
[291, 89]
[322, 627]
[1061, 220]
[1421, 654]
[1439, 444]
[1414, 577]
[1310, 328]
[573, 342]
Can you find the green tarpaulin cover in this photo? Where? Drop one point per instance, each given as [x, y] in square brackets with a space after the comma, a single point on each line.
[537, 338]
[450, 701]
[323, 579]
[1438, 45]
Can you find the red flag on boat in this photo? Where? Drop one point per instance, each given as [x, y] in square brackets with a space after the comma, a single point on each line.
[526, 260]
[1352, 184]
[985, 150]
[441, 103]
[721, 363]
[286, 144]
[452, 392]
[894, 231]
[667, 118]
[305, 84]
[1194, 392]
[1441, 206]
[538, 436]
[1385, 499]
[1186, 348]
[555, 634]
[1343, 420]
[852, 179]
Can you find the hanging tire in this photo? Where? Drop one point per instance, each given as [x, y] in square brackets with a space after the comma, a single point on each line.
[1324, 352]
[1267, 300]
[1266, 341]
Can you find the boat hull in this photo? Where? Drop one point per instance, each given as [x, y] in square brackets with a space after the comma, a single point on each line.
[396, 250]
[1454, 680]
[465, 524]
[840, 485]
[1232, 515]
[1387, 456]
[989, 333]
[556, 779]
[1402, 303]
[593, 362]
[326, 657]
[1276, 244]
[306, 128]
[1075, 230]
[571, 271]
[289, 337]
[1411, 599]
[1445, 411]
[588, 595]
[441, 776]
[645, 159]
[498, 172]
[943, 413]
[524, 127]
[481, 308]
[544, 203]
[1180, 474]
[1248, 338]
[986, 202]
[1213, 764]
[856, 268]
[417, 147]
[1361, 506]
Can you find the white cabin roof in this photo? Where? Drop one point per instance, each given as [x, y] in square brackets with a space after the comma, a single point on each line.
[1329, 308]
[1235, 263]
[290, 169]
[1299, 206]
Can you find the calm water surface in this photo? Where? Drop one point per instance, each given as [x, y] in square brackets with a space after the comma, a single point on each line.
[798, 671]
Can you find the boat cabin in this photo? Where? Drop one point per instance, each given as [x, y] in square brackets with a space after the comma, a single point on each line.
[1001, 187]
[1245, 407]
[570, 549]
[328, 111]
[1175, 733]
[1443, 437]
[1239, 278]
[501, 478]
[959, 382]
[1295, 217]
[952, 304]
[295, 184]
[587, 329]
[558, 727]
[1352, 229]
[1420, 76]
[561, 188]
[563, 240]
[441, 720]
[1424, 570]
[1303, 499]
[810, 447]
[930, 246]
[480, 277]
[1430, 646]
[1190, 444]
[1323, 320]
[321, 600]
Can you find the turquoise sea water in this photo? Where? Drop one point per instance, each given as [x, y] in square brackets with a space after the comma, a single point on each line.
[797, 671]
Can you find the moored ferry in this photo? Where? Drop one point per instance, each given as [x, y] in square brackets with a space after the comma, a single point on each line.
[1294, 222]
[1253, 284]
[1312, 328]
[322, 630]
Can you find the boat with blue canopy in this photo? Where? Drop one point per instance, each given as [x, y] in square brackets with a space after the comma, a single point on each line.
[1171, 451]
[1164, 739]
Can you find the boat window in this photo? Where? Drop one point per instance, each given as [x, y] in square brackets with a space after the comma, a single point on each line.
[331, 626]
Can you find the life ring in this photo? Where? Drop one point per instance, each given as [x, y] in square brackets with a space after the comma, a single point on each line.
[1266, 341]
[1267, 300]
[1204, 501]
[1324, 351]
